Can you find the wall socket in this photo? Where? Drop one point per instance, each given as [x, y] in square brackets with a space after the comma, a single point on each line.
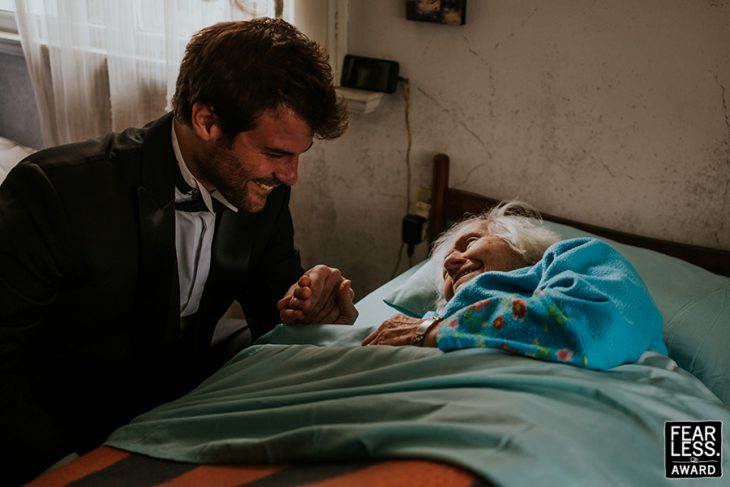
[422, 204]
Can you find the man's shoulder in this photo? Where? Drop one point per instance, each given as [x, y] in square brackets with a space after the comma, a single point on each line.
[115, 146]
[102, 148]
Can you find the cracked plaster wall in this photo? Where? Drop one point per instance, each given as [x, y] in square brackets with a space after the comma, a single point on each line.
[616, 113]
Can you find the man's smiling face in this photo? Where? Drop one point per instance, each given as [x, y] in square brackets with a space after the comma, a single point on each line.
[246, 169]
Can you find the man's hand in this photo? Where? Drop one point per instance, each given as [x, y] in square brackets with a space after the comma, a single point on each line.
[321, 295]
[400, 330]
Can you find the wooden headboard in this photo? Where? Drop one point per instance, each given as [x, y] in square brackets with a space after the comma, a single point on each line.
[450, 204]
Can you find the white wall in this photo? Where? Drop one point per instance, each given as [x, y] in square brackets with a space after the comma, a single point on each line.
[612, 112]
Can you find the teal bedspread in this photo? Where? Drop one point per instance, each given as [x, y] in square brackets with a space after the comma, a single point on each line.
[312, 393]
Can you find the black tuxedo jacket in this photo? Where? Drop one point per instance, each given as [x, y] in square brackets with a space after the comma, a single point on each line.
[90, 333]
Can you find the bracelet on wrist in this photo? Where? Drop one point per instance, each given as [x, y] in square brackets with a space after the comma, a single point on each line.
[423, 330]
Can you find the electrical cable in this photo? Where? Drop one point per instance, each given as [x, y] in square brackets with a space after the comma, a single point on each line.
[407, 116]
[397, 262]
[406, 110]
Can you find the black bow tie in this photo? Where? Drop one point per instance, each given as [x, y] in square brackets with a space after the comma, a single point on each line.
[195, 203]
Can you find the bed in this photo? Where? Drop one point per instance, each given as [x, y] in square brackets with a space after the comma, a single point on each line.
[308, 405]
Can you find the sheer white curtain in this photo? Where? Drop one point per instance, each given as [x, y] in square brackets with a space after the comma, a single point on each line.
[105, 65]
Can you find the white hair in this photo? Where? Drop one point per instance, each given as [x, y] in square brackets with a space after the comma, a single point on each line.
[517, 223]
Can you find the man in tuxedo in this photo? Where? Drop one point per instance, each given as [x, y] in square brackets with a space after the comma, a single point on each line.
[119, 255]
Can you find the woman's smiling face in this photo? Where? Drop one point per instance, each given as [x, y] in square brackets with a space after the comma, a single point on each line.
[475, 251]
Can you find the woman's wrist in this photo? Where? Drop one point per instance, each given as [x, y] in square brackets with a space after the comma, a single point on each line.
[426, 333]
[430, 339]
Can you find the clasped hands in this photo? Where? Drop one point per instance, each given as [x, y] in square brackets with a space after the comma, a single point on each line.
[321, 295]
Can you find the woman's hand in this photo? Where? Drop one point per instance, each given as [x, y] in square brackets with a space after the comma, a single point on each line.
[400, 330]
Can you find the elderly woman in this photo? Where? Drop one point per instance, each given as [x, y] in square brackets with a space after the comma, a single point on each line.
[508, 283]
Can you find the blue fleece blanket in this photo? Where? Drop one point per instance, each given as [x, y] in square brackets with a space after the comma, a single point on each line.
[583, 303]
[308, 393]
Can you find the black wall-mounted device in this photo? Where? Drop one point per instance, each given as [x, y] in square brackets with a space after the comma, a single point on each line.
[412, 231]
[370, 74]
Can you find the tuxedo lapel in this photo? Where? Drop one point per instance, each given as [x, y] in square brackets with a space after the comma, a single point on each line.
[232, 242]
[158, 288]
[230, 257]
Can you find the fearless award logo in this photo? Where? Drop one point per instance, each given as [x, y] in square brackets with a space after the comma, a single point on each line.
[692, 449]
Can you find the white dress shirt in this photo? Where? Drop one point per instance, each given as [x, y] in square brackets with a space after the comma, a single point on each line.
[193, 238]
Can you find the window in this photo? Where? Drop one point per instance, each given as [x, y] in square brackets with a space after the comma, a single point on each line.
[104, 65]
[9, 38]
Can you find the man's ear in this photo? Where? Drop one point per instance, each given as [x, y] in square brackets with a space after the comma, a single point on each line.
[205, 122]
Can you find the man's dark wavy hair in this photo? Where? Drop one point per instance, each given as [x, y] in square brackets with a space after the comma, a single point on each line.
[241, 69]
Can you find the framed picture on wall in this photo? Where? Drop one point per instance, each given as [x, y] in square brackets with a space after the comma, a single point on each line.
[451, 12]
